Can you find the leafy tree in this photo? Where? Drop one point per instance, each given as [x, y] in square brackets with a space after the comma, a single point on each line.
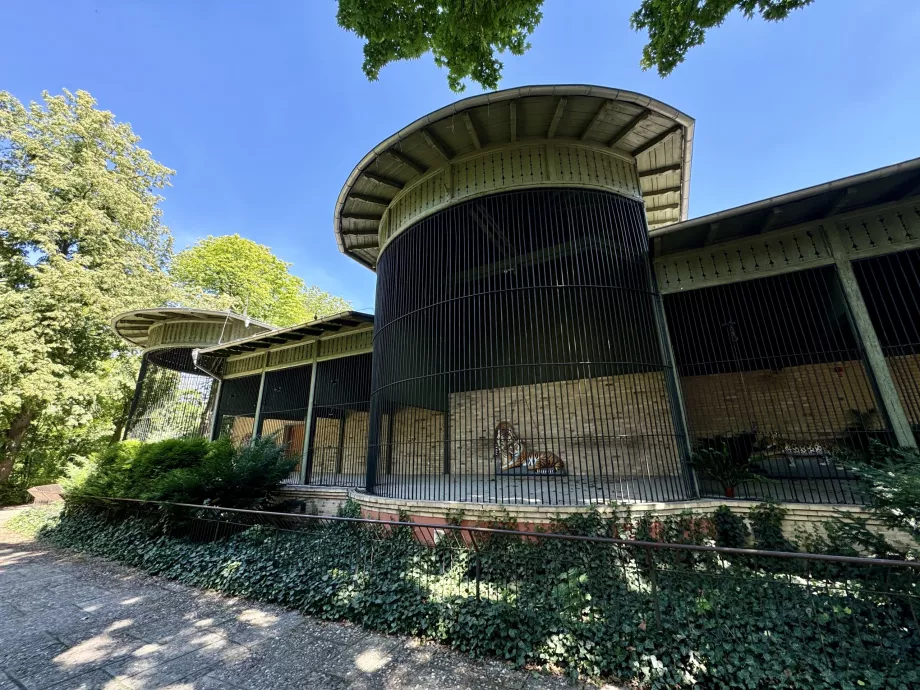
[464, 35]
[676, 26]
[254, 279]
[81, 239]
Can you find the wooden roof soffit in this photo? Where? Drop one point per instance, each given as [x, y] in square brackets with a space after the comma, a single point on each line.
[656, 192]
[659, 171]
[557, 116]
[370, 199]
[652, 143]
[471, 128]
[363, 216]
[370, 243]
[408, 162]
[380, 179]
[597, 119]
[512, 113]
[435, 142]
[361, 233]
[629, 127]
[664, 207]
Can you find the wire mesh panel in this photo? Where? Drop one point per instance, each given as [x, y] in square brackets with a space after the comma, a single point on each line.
[338, 452]
[891, 289]
[236, 410]
[517, 357]
[173, 400]
[771, 372]
[283, 413]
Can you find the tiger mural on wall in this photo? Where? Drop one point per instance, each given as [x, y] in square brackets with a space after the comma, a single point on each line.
[511, 453]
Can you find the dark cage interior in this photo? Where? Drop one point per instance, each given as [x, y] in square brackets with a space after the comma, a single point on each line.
[890, 286]
[771, 370]
[173, 398]
[236, 411]
[517, 356]
[283, 413]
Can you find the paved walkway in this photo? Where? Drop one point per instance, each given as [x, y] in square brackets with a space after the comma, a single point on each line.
[71, 621]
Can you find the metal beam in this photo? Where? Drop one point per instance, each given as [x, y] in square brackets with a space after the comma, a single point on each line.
[659, 171]
[408, 162]
[380, 179]
[560, 108]
[597, 119]
[629, 127]
[434, 142]
[370, 199]
[471, 128]
[513, 116]
[652, 143]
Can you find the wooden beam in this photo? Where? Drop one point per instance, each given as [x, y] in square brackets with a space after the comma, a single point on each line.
[665, 207]
[361, 233]
[378, 200]
[652, 143]
[471, 128]
[629, 127]
[775, 217]
[380, 179]
[365, 245]
[513, 113]
[560, 108]
[362, 216]
[310, 331]
[597, 119]
[711, 235]
[660, 171]
[656, 192]
[434, 142]
[408, 162]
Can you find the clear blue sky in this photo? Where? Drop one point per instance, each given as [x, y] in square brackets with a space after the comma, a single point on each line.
[262, 109]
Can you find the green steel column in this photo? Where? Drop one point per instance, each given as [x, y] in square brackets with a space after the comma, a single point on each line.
[308, 422]
[256, 430]
[878, 368]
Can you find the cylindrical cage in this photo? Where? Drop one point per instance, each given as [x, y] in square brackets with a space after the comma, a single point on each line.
[174, 399]
[518, 358]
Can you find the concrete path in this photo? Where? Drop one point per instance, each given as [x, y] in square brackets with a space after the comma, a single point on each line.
[71, 621]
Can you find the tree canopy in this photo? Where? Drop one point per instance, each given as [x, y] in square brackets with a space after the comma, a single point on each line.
[464, 36]
[254, 279]
[80, 240]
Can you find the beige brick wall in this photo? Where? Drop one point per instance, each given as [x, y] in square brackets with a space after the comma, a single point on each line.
[419, 441]
[905, 371]
[610, 425]
[799, 403]
[326, 443]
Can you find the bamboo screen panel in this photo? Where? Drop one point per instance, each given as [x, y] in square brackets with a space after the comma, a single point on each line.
[771, 368]
[517, 356]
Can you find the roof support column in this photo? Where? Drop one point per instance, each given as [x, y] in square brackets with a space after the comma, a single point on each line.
[215, 419]
[307, 456]
[879, 374]
[256, 420]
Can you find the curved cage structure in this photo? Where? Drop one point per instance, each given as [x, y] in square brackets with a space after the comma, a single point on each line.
[518, 356]
[174, 399]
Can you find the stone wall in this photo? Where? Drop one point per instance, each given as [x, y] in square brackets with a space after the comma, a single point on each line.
[615, 425]
[804, 403]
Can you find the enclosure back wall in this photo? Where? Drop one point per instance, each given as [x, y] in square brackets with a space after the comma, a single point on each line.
[534, 309]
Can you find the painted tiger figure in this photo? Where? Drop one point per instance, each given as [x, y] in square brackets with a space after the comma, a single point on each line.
[511, 452]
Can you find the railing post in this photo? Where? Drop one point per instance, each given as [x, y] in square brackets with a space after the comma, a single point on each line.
[653, 580]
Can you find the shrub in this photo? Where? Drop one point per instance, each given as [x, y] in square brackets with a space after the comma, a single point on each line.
[14, 495]
[892, 480]
[731, 529]
[189, 471]
[767, 527]
[31, 521]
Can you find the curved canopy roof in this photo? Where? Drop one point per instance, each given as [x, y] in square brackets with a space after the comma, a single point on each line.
[659, 137]
[134, 326]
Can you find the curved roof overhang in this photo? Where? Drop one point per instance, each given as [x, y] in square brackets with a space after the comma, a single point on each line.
[135, 326]
[656, 136]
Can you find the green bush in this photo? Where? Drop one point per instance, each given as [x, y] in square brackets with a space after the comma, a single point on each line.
[14, 495]
[731, 529]
[767, 527]
[188, 471]
[892, 480]
[584, 607]
[31, 521]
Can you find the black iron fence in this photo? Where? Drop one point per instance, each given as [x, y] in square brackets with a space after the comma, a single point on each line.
[808, 615]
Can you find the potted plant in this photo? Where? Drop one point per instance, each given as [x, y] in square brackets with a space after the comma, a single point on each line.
[729, 469]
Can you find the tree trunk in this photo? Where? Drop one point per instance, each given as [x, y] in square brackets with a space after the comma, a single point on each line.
[11, 442]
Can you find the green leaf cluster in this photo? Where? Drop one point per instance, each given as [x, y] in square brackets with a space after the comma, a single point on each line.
[254, 280]
[587, 608]
[188, 471]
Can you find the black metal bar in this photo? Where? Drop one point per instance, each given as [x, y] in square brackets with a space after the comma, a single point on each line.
[141, 376]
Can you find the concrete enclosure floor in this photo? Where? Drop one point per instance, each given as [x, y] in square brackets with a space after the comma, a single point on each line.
[68, 621]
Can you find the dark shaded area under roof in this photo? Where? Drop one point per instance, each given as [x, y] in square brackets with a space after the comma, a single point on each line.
[294, 334]
[880, 186]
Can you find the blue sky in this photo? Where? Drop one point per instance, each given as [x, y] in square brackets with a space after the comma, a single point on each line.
[262, 109]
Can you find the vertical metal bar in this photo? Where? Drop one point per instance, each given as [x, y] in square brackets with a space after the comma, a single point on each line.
[879, 373]
[256, 422]
[308, 420]
[215, 416]
[135, 400]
